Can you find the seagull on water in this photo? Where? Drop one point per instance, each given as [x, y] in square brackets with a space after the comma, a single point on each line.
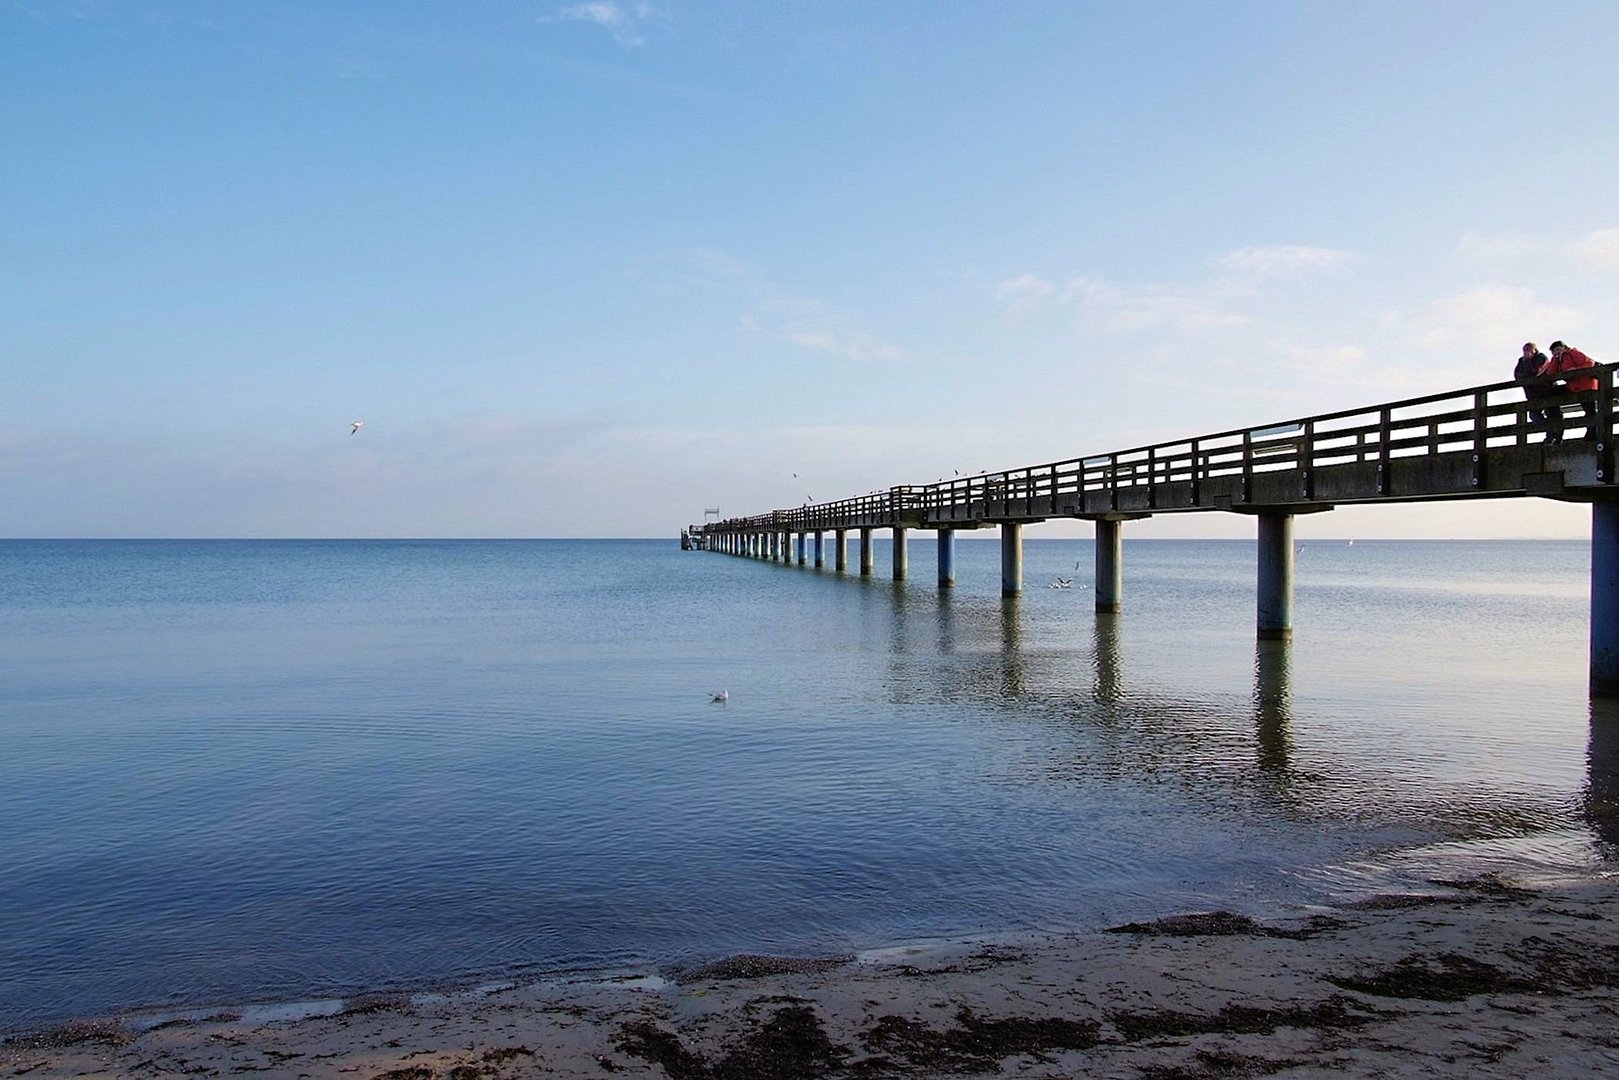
[722, 697]
[355, 426]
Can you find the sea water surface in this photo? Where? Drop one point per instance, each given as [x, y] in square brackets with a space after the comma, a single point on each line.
[236, 771]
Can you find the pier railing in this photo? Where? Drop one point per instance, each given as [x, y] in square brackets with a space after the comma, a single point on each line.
[1478, 441]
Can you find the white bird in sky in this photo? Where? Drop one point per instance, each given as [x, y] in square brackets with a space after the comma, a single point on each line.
[355, 426]
[722, 697]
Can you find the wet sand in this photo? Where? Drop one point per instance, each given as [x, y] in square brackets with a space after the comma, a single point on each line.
[1476, 979]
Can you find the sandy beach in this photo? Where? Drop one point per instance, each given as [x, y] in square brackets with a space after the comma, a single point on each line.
[1476, 978]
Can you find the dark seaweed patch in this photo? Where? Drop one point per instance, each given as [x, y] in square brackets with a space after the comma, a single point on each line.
[974, 1045]
[791, 1045]
[757, 967]
[1333, 1013]
[1440, 977]
[74, 1033]
[1221, 924]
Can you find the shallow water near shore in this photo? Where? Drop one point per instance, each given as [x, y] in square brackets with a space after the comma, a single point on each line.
[283, 770]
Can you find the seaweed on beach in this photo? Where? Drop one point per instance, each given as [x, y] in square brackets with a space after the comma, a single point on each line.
[1220, 1065]
[1333, 1013]
[1445, 976]
[790, 1045]
[1488, 887]
[491, 1064]
[1221, 924]
[375, 1003]
[974, 1045]
[748, 966]
[73, 1033]
[1397, 902]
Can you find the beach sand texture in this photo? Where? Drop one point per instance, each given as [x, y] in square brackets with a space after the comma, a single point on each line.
[1477, 979]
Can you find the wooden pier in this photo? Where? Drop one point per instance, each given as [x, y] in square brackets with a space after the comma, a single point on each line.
[1474, 443]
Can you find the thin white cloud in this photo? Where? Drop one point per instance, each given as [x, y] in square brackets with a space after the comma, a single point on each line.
[1499, 249]
[1024, 292]
[859, 347]
[1492, 319]
[624, 23]
[1598, 250]
[1282, 260]
[1220, 300]
[1108, 308]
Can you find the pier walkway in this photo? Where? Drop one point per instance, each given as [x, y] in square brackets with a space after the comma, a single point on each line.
[1474, 443]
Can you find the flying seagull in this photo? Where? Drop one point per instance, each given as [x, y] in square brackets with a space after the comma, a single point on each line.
[355, 426]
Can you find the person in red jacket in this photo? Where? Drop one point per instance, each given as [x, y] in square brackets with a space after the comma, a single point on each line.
[1565, 360]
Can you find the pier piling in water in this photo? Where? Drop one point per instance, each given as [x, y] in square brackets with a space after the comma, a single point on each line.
[1605, 598]
[1275, 576]
[901, 555]
[1109, 565]
[1011, 558]
[947, 558]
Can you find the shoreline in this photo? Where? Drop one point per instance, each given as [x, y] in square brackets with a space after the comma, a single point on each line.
[1484, 978]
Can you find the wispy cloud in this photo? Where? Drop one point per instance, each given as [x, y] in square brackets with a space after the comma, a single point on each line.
[1283, 260]
[624, 22]
[1598, 250]
[1217, 300]
[1482, 319]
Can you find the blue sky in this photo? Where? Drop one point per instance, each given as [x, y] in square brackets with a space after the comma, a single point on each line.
[587, 269]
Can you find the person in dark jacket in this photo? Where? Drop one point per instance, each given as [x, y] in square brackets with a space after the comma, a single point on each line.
[1533, 362]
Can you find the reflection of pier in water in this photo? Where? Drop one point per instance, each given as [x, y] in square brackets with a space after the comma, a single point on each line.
[1226, 749]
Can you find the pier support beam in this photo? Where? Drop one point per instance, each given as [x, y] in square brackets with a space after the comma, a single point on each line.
[901, 556]
[820, 550]
[868, 559]
[1011, 558]
[801, 537]
[787, 547]
[1109, 566]
[947, 558]
[1276, 576]
[840, 550]
[1605, 599]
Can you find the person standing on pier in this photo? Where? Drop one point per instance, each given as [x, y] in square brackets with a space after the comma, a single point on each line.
[1565, 360]
[1533, 362]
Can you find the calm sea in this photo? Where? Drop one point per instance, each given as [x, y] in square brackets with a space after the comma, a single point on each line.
[236, 771]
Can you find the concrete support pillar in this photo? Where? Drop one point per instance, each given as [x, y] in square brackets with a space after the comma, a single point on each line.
[868, 558]
[1605, 599]
[820, 550]
[1275, 577]
[840, 550]
[787, 547]
[801, 549]
[901, 554]
[1109, 567]
[1011, 558]
[947, 558]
